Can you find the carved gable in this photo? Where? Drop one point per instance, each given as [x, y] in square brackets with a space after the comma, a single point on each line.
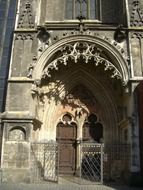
[26, 18]
[136, 14]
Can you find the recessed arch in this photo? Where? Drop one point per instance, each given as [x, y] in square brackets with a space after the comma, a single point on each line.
[17, 133]
[105, 101]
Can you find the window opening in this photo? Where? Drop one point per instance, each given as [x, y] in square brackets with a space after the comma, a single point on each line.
[87, 9]
[92, 129]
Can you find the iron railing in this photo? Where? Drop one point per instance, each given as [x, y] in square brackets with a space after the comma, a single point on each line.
[44, 162]
[91, 169]
[116, 161]
[98, 162]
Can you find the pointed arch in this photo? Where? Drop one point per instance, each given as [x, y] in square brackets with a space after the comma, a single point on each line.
[87, 48]
[109, 115]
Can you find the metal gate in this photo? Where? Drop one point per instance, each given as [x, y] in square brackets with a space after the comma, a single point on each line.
[116, 159]
[91, 160]
[44, 162]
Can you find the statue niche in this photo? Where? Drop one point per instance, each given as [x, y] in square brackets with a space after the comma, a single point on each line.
[17, 134]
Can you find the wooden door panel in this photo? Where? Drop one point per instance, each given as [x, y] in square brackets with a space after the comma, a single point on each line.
[67, 133]
[67, 158]
[66, 138]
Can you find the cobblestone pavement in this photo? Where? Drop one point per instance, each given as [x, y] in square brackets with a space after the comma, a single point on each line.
[62, 187]
[63, 184]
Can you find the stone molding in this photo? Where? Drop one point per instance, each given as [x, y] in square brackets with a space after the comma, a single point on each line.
[24, 36]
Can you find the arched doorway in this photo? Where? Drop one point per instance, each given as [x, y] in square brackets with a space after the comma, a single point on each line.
[80, 79]
[66, 138]
[80, 60]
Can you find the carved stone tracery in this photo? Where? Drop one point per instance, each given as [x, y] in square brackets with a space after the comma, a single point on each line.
[84, 51]
[138, 35]
[24, 36]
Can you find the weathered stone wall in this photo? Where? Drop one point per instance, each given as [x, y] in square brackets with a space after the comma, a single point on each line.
[111, 11]
[18, 96]
[136, 48]
[140, 107]
[16, 152]
[136, 53]
[25, 47]
[52, 10]
[28, 48]
[7, 22]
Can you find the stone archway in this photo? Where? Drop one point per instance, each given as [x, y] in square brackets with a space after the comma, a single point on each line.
[80, 55]
[53, 104]
[85, 46]
[71, 64]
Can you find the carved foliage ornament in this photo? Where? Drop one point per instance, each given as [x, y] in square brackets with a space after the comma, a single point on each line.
[84, 51]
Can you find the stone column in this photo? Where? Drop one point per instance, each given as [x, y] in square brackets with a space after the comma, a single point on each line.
[0, 138]
[134, 123]
[1, 131]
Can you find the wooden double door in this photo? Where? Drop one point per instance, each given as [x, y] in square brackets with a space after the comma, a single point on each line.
[66, 138]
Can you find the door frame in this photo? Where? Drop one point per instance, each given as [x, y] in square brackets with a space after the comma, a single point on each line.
[66, 134]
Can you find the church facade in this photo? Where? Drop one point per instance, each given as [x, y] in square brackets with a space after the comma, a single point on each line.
[74, 91]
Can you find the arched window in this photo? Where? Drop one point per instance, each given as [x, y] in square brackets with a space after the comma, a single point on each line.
[92, 129]
[87, 9]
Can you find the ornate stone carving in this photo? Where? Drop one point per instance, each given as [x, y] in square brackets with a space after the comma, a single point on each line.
[44, 39]
[24, 36]
[120, 35]
[138, 35]
[42, 47]
[31, 67]
[84, 51]
[82, 27]
[43, 35]
[113, 55]
[26, 19]
[17, 134]
[136, 49]
[90, 33]
[67, 118]
[35, 86]
[136, 14]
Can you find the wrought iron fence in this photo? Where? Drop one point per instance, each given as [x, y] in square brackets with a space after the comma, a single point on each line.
[101, 162]
[116, 161]
[44, 162]
[98, 162]
[91, 160]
